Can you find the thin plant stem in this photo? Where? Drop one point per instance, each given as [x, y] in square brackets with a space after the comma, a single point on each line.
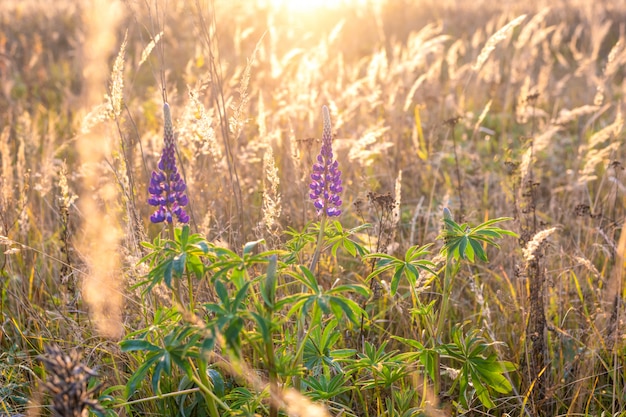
[318, 245]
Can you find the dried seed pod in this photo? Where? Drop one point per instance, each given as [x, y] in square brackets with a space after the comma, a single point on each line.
[67, 383]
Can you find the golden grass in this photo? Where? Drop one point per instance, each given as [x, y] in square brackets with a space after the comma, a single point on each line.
[82, 85]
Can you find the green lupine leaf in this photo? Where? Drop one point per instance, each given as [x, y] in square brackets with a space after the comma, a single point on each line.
[349, 307]
[409, 342]
[208, 344]
[268, 290]
[308, 279]
[463, 247]
[322, 302]
[221, 292]
[343, 353]
[349, 246]
[249, 247]
[478, 248]
[184, 236]
[412, 273]
[163, 364]
[359, 289]
[231, 334]
[179, 264]
[481, 390]
[141, 372]
[194, 263]
[218, 382]
[167, 274]
[203, 246]
[395, 280]
[138, 345]
[241, 295]
[463, 384]
[264, 326]
[238, 276]
[298, 305]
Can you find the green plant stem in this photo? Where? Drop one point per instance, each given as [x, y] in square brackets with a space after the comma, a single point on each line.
[449, 272]
[301, 319]
[205, 386]
[156, 397]
[192, 305]
[300, 352]
[269, 353]
[318, 245]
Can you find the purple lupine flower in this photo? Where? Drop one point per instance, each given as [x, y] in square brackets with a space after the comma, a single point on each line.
[326, 177]
[167, 187]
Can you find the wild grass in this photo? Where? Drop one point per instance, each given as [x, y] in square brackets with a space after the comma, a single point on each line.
[487, 110]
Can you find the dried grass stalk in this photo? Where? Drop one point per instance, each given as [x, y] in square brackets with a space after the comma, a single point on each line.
[495, 39]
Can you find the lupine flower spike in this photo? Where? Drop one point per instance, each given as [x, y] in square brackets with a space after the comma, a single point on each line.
[167, 187]
[325, 188]
[326, 177]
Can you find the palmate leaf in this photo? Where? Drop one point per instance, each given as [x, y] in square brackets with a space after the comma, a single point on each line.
[491, 371]
[428, 357]
[334, 300]
[229, 313]
[463, 242]
[233, 268]
[172, 259]
[319, 345]
[323, 389]
[141, 372]
[178, 345]
[343, 239]
[409, 267]
[484, 374]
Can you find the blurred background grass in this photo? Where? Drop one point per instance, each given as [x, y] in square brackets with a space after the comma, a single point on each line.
[385, 69]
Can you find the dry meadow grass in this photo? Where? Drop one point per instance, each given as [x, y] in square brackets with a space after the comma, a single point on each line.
[493, 109]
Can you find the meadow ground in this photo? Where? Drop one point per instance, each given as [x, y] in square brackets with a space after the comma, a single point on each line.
[380, 208]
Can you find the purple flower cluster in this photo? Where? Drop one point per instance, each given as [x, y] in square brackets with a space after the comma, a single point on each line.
[167, 187]
[326, 177]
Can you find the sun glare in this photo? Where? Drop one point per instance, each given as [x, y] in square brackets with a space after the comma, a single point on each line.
[305, 6]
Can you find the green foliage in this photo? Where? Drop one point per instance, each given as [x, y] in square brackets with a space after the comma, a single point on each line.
[229, 313]
[325, 388]
[464, 242]
[478, 373]
[176, 348]
[257, 309]
[12, 388]
[170, 259]
[409, 267]
[328, 301]
[320, 355]
[340, 238]
[249, 312]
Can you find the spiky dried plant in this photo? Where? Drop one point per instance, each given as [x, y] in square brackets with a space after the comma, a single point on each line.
[271, 196]
[68, 383]
[495, 39]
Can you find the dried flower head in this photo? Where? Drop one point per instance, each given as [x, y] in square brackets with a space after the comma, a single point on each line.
[495, 39]
[533, 248]
[167, 187]
[326, 177]
[271, 196]
[67, 382]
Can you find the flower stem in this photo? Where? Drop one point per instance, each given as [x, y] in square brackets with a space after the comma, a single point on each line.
[318, 245]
